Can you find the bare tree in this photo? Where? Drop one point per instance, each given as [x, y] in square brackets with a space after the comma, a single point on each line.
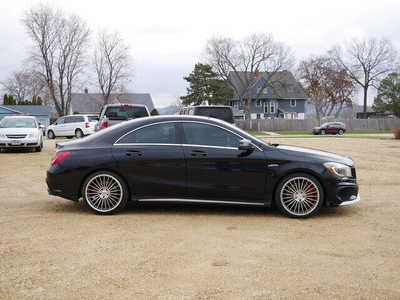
[246, 59]
[24, 84]
[329, 87]
[112, 63]
[366, 61]
[60, 42]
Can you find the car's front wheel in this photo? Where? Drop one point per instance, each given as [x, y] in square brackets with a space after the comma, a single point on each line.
[105, 192]
[323, 132]
[50, 135]
[340, 131]
[39, 149]
[299, 195]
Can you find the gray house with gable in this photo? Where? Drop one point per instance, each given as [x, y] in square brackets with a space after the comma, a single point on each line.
[280, 95]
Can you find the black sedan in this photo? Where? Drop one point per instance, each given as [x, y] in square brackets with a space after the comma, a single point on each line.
[197, 159]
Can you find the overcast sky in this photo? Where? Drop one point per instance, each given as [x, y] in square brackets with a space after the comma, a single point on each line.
[168, 37]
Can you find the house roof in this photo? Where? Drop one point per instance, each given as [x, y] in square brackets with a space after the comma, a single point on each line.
[93, 102]
[283, 84]
[34, 110]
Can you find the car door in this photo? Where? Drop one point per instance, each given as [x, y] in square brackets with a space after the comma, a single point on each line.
[151, 159]
[217, 169]
[58, 126]
[70, 125]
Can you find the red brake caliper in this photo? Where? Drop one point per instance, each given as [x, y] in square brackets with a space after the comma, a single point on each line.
[309, 193]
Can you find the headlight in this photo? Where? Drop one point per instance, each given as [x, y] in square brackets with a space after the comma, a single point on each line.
[338, 169]
[31, 135]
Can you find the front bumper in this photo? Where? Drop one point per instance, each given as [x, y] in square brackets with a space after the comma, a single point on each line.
[357, 199]
[19, 143]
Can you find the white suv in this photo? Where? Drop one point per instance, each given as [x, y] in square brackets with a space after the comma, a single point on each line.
[73, 125]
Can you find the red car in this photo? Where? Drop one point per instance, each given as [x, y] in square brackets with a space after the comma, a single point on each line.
[330, 128]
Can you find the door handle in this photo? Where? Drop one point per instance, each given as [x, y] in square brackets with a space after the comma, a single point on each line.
[198, 153]
[133, 153]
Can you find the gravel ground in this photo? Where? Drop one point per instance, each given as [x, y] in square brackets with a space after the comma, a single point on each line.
[52, 248]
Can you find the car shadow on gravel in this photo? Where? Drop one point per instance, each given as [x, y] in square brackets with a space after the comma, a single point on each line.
[202, 209]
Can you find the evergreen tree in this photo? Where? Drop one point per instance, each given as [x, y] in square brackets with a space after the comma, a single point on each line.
[205, 85]
[5, 99]
[154, 112]
[388, 98]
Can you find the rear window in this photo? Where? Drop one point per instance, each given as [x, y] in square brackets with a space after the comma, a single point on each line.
[125, 112]
[222, 113]
[93, 118]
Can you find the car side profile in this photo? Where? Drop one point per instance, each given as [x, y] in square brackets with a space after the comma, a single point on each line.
[197, 159]
[330, 128]
[72, 125]
[20, 132]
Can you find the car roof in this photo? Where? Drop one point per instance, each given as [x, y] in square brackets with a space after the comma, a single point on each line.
[19, 117]
[124, 104]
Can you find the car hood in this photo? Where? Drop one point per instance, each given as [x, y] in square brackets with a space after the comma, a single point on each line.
[316, 154]
[18, 130]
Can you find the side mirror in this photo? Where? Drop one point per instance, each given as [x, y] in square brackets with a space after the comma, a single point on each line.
[41, 126]
[245, 145]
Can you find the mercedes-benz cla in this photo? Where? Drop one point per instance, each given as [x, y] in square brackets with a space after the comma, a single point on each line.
[197, 159]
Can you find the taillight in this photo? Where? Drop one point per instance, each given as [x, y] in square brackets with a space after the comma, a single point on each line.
[87, 125]
[59, 157]
[104, 125]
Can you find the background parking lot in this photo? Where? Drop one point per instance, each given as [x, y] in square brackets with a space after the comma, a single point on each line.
[55, 248]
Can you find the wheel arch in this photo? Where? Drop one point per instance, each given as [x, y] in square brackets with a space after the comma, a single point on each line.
[103, 170]
[307, 171]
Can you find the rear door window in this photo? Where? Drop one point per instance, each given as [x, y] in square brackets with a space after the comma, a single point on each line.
[164, 133]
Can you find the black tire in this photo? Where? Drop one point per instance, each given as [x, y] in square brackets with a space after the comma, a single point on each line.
[323, 132]
[69, 137]
[340, 132]
[39, 149]
[51, 135]
[105, 204]
[304, 203]
[78, 133]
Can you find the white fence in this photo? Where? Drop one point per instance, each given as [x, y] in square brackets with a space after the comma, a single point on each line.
[308, 124]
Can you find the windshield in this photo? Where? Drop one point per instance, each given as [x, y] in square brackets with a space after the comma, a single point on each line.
[222, 113]
[126, 112]
[325, 124]
[18, 123]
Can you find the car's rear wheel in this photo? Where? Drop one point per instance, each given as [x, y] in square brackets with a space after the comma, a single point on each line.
[105, 192]
[323, 132]
[340, 131]
[50, 135]
[299, 195]
[78, 134]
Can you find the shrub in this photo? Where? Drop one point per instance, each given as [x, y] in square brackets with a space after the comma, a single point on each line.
[397, 133]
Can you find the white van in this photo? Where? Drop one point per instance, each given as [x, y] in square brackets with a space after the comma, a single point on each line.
[73, 125]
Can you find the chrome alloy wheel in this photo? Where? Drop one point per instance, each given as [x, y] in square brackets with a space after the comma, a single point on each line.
[300, 196]
[104, 193]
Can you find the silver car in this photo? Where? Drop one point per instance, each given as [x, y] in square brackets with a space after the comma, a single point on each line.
[20, 132]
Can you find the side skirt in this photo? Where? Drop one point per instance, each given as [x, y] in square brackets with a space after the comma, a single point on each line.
[199, 201]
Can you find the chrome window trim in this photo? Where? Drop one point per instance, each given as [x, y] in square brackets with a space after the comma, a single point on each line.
[180, 121]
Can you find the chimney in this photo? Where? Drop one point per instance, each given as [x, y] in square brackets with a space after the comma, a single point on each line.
[86, 90]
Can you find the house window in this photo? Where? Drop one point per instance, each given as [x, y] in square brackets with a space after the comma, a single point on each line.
[266, 107]
[272, 107]
[258, 116]
[258, 103]
[293, 103]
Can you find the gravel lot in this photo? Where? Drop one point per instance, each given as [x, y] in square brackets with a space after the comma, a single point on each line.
[52, 248]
